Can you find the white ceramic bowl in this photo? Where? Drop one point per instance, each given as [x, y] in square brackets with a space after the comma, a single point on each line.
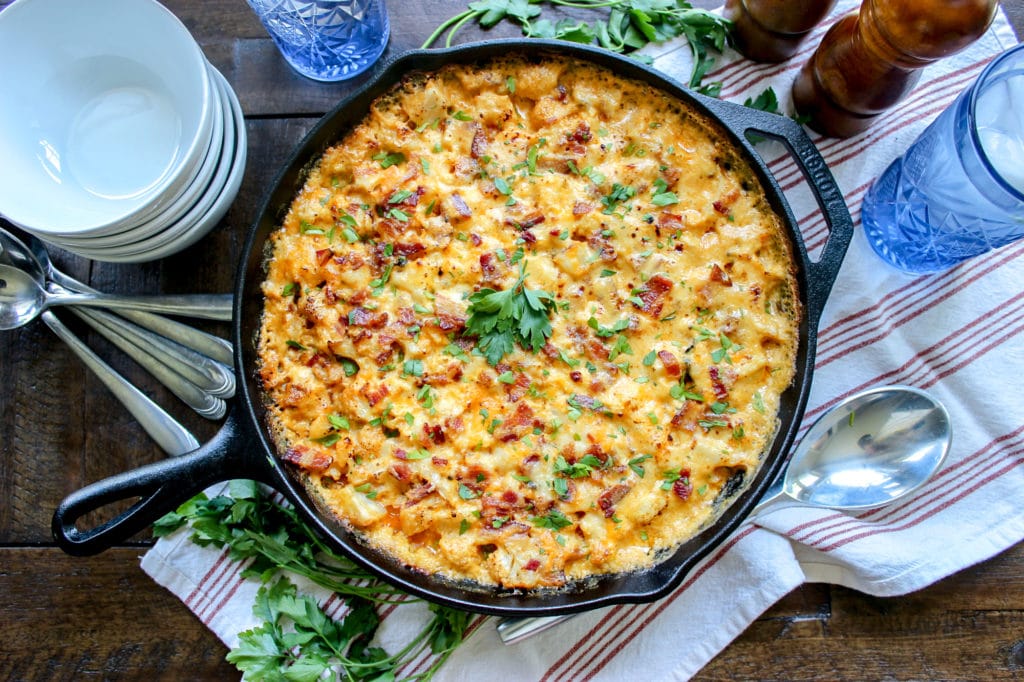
[105, 115]
[182, 204]
[208, 210]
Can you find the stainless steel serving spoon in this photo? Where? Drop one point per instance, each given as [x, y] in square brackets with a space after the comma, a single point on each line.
[207, 345]
[868, 451]
[22, 299]
[195, 379]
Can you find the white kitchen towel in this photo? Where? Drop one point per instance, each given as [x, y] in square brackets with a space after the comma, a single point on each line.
[957, 334]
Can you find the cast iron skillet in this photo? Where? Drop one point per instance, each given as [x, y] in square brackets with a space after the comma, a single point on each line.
[242, 448]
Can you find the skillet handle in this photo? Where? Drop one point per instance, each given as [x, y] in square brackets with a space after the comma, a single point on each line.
[821, 274]
[162, 487]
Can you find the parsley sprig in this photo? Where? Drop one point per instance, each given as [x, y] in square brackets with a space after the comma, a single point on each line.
[628, 25]
[273, 539]
[500, 319]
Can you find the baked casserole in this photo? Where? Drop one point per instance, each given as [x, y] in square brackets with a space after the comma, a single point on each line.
[526, 322]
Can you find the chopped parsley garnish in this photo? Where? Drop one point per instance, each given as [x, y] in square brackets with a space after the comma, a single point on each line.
[618, 194]
[292, 343]
[500, 319]
[553, 520]
[339, 422]
[636, 464]
[413, 368]
[605, 332]
[467, 493]
[388, 159]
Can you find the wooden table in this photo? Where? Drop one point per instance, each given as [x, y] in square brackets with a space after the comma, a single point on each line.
[102, 617]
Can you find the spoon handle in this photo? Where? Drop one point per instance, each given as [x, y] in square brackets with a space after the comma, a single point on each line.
[207, 375]
[209, 345]
[171, 436]
[204, 404]
[205, 306]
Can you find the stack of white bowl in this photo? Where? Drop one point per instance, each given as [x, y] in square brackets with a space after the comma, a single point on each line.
[118, 140]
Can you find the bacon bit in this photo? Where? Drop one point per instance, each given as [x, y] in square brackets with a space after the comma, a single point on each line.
[515, 392]
[449, 315]
[410, 251]
[531, 565]
[329, 296]
[597, 350]
[488, 269]
[518, 425]
[451, 374]
[670, 221]
[323, 256]
[375, 395]
[401, 454]
[682, 487]
[581, 134]
[563, 93]
[606, 251]
[672, 367]
[305, 458]
[361, 317]
[293, 396]
[400, 470]
[532, 220]
[418, 492]
[576, 375]
[317, 359]
[687, 416]
[407, 316]
[474, 239]
[579, 208]
[466, 168]
[359, 297]
[350, 261]
[653, 294]
[755, 292]
[389, 228]
[720, 208]
[719, 275]
[453, 424]
[719, 389]
[611, 497]
[550, 351]
[461, 208]
[438, 461]
[434, 433]
[479, 146]
[510, 497]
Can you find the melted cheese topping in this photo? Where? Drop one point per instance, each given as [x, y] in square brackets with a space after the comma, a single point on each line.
[673, 336]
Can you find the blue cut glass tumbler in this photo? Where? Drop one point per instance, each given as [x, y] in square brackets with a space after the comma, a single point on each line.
[958, 191]
[326, 40]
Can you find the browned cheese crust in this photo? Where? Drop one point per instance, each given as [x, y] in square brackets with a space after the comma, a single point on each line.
[673, 330]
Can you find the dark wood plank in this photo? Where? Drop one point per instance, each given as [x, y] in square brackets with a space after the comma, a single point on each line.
[98, 618]
[101, 617]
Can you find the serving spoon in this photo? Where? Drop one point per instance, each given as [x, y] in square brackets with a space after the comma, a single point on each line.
[22, 299]
[868, 451]
[207, 345]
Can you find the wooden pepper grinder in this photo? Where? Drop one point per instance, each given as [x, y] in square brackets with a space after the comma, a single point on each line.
[772, 30]
[871, 59]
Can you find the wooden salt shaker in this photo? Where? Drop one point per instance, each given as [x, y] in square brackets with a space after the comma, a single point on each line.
[871, 59]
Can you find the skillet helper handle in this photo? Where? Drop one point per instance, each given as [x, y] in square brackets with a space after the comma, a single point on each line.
[821, 274]
[162, 487]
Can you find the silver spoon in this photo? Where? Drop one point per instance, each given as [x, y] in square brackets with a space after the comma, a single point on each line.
[195, 379]
[22, 299]
[868, 451]
[207, 345]
[172, 437]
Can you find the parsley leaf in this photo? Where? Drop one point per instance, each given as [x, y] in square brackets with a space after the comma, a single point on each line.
[500, 319]
[623, 26]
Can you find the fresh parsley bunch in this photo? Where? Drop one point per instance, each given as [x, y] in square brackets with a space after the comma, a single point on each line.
[296, 639]
[500, 319]
[629, 25]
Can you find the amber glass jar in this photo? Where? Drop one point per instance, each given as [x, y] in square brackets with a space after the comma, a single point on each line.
[870, 59]
[772, 30]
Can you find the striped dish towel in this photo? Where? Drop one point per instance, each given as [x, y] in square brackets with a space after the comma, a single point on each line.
[957, 334]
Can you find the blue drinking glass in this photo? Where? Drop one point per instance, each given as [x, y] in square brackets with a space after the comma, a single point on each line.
[326, 40]
[958, 191]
